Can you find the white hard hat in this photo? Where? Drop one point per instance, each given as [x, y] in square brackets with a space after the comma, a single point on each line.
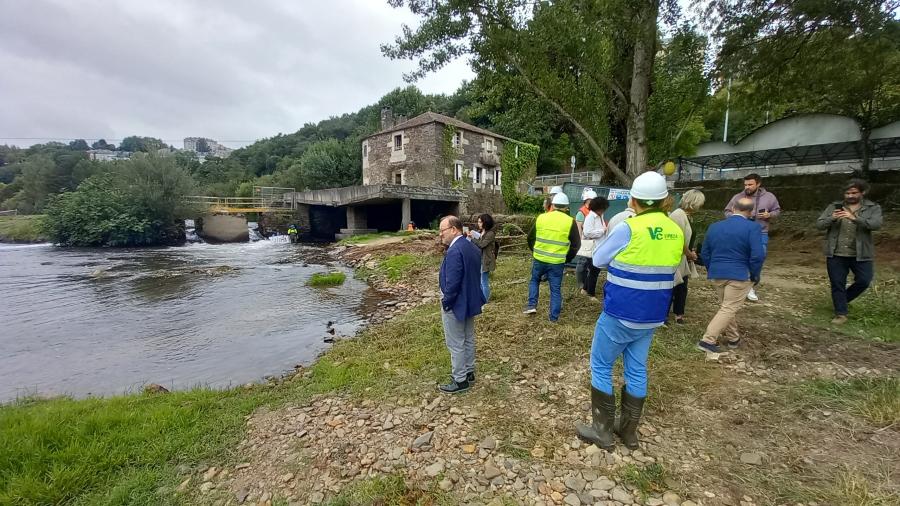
[555, 190]
[649, 186]
[588, 193]
[560, 199]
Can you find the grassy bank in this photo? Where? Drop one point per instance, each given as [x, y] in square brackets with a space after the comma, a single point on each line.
[23, 229]
[533, 385]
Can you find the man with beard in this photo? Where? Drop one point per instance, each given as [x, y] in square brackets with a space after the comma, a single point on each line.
[848, 245]
[765, 208]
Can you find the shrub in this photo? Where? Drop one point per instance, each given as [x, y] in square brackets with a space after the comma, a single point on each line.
[327, 279]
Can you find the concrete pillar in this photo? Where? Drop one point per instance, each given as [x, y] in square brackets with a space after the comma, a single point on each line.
[356, 218]
[406, 214]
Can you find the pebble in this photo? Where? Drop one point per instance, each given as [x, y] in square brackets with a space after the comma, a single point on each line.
[604, 484]
[423, 440]
[210, 474]
[618, 494]
[434, 469]
[206, 486]
[751, 458]
[572, 500]
[576, 484]
[490, 471]
[488, 443]
[671, 499]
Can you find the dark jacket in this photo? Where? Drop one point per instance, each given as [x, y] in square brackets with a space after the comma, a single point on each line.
[574, 238]
[868, 218]
[487, 244]
[460, 280]
[733, 249]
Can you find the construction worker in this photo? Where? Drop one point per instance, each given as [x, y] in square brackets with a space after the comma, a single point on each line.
[293, 233]
[641, 257]
[554, 241]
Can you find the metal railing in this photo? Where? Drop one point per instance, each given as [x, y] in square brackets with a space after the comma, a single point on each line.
[14, 212]
[273, 203]
[574, 177]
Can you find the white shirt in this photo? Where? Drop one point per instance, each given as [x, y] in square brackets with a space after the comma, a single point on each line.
[594, 229]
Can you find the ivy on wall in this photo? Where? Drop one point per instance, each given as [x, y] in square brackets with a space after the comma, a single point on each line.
[518, 163]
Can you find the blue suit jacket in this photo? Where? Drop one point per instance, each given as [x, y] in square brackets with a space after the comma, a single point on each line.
[460, 280]
[733, 249]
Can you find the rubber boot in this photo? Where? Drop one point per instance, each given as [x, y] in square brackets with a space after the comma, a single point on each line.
[603, 415]
[631, 417]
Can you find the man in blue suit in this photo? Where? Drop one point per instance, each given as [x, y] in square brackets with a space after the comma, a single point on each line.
[461, 301]
[733, 255]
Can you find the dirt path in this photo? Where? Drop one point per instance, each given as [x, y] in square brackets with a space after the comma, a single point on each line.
[800, 414]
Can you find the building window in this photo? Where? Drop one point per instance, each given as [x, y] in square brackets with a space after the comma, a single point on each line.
[398, 142]
[479, 175]
[457, 139]
[489, 145]
[398, 177]
[365, 150]
[458, 171]
[496, 177]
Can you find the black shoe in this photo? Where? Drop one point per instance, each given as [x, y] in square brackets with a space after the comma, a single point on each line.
[631, 417]
[454, 387]
[603, 414]
[470, 377]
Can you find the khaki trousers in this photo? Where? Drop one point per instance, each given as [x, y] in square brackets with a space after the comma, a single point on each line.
[732, 295]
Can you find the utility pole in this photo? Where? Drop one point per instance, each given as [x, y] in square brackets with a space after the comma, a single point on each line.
[727, 105]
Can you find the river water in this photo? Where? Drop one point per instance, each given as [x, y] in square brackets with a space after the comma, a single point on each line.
[107, 321]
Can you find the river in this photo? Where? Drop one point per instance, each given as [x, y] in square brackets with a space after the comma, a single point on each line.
[107, 321]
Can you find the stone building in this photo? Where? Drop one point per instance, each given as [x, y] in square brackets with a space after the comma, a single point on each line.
[433, 150]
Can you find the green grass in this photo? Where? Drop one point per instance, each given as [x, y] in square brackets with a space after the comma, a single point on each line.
[388, 491]
[21, 229]
[364, 238]
[648, 479]
[327, 279]
[872, 316]
[875, 399]
[397, 267]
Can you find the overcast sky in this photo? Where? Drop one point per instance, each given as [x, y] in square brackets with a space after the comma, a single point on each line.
[230, 70]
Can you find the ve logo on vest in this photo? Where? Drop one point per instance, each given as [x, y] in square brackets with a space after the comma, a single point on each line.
[656, 233]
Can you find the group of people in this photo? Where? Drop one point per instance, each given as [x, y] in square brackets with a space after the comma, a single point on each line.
[649, 252]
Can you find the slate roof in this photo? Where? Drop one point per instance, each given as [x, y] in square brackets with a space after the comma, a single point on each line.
[433, 117]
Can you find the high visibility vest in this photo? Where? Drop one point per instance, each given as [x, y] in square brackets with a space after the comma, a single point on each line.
[551, 242]
[640, 278]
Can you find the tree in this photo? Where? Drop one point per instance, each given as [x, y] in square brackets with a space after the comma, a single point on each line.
[326, 164]
[79, 145]
[564, 52]
[834, 56]
[102, 144]
[135, 144]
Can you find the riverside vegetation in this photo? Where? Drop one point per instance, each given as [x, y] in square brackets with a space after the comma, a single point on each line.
[22, 229]
[805, 413]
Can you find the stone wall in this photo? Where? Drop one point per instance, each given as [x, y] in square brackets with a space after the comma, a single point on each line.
[808, 192]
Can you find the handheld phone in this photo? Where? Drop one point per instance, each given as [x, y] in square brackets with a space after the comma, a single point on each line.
[838, 207]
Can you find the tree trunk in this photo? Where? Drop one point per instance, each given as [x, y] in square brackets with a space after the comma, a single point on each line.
[865, 151]
[642, 73]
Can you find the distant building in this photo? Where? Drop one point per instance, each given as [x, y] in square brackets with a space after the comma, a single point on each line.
[412, 152]
[106, 155]
[213, 148]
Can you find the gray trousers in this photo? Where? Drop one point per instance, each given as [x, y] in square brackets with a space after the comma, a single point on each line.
[460, 339]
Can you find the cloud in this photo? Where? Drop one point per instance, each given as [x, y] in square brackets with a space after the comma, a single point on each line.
[230, 70]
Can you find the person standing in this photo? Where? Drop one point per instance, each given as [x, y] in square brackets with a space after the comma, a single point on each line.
[641, 256]
[848, 245]
[461, 301]
[765, 208]
[691, 202]
[733, 254]
[594, 232]
[486, 240]
[583, 257]
[554, 241]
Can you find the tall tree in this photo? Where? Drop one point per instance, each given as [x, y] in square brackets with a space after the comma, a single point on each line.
[560, 50]
[102, 144]
[836, 56]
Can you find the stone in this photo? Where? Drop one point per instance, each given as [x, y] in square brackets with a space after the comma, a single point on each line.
[589, 475]
[210, 474]
[751, 458]
[434, 469]
[603, 483]
[287, 477]
[423, 440]
[491, 471]
[619, 494]
[575, 483]
[688, 503]
[183, 485]
[445, 485]
[592, 450]
[556, 496]
[572, 500]
[654, 501]
[316, 497]
[488, 443]
[468, 448]
[206, 486]
[241, 495]
[537, 452]
[671, 499]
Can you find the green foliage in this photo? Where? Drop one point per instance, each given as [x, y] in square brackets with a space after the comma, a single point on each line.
[518, 163]
[648, 479]
[327, 279]
[138, 202]
[136, 143]
[364, 238]
[875, 399]
[21, 229]
[325, 164]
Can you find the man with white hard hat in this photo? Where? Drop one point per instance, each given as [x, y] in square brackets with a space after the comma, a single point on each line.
[641, 256]
[554, 241]
[583, 257]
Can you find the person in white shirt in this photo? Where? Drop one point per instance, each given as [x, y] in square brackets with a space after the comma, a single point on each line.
[594, 231]
[583, 257]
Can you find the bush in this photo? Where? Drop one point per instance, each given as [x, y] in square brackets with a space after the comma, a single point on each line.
[135, 203]
[329, 279]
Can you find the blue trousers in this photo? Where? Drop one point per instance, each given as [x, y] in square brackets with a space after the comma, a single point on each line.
[612, 339]
[486, 285]
[554, 274]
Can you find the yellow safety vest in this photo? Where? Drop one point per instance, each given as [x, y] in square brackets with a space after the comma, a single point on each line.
[551, 242]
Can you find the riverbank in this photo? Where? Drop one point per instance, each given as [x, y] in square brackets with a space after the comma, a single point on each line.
[22, 229]
[805, 413]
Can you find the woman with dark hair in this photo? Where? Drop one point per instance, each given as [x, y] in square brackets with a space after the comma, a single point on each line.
[486, 239]
[594, 230]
